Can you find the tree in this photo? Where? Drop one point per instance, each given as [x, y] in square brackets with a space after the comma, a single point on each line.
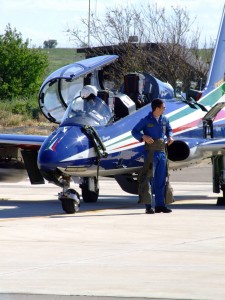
[21, 68]
[50, 44]
[164, 47]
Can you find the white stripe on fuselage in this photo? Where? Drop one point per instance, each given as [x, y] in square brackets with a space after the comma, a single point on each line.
[111, 147]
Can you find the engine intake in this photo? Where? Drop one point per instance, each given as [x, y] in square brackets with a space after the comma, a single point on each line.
[178, 151]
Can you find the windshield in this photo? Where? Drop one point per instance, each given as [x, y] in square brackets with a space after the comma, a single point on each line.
[92, 112]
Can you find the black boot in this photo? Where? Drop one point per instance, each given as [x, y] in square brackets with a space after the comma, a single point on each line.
[164, 209]
[149, 210]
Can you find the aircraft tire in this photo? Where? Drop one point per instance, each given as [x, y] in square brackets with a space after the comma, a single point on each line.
[88, 196]
[69, 205]
[220, 201]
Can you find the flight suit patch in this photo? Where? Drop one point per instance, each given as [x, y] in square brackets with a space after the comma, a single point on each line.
[164, 127]
[150, 125]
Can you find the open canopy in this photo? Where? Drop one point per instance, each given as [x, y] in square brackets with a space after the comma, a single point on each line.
[63, 85]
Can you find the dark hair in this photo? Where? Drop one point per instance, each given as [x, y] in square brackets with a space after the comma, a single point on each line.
[156, 103]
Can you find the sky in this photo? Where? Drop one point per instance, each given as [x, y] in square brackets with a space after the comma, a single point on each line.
[40, 20]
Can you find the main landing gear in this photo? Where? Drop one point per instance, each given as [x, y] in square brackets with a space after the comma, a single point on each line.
[70, 198]
[221, 200]
[90, 189]
[218, 163]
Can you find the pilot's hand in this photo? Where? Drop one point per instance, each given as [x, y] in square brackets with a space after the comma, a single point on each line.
[170, 140]
[147, 139]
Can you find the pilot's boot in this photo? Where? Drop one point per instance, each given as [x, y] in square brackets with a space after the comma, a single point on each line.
[149, 209]
[163, 209]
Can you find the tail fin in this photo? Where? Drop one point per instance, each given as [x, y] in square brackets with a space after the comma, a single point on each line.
[216, 75]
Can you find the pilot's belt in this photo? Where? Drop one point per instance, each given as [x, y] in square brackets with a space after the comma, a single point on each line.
[158, 145]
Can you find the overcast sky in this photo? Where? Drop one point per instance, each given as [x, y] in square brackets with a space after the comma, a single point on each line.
[40, 20]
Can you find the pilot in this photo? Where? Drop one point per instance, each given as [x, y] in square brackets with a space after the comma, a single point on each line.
[94, 105]
[154, 130]
[89, 92]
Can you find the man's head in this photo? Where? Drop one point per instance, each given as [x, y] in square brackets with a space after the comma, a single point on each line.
[158, 106]
[88, 92]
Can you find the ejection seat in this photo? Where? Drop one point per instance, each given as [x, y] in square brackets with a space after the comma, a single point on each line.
[133, 87]
[108, 97]
[120, 105]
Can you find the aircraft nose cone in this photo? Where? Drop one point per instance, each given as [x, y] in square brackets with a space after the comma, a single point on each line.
[47, 159]
[62, 149]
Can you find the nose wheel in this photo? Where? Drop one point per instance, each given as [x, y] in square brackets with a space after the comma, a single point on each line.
[70, 201]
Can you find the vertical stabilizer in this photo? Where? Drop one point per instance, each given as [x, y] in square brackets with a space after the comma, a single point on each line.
[216, 75]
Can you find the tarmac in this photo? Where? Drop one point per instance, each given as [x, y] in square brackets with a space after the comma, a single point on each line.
[112, 249]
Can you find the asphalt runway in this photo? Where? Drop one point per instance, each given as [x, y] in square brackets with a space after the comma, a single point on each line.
[112, 249]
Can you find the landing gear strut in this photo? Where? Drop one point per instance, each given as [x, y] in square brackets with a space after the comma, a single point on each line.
[218, 163]
[69, 198]
[221, 200]
[90, 189]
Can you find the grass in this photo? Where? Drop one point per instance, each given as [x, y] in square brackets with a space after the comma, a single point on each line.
[21, 123]
[60, 57]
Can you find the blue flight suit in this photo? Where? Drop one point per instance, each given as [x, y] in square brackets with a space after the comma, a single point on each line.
[159, 130]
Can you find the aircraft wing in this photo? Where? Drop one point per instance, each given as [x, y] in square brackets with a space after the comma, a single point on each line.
[213, 147]
[21, 141]
[18, 155]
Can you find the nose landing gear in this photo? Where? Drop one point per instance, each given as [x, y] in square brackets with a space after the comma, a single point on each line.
[70, 201]
[69, 198]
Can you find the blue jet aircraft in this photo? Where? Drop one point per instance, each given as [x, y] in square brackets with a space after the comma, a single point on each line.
[88, 144]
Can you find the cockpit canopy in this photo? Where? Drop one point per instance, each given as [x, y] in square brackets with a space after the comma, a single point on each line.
[93, 112]
[60, 87]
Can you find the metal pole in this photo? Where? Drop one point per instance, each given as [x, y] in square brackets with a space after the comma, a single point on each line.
[89, 19]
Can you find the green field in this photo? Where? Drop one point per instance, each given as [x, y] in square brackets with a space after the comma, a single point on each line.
[59, 57]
